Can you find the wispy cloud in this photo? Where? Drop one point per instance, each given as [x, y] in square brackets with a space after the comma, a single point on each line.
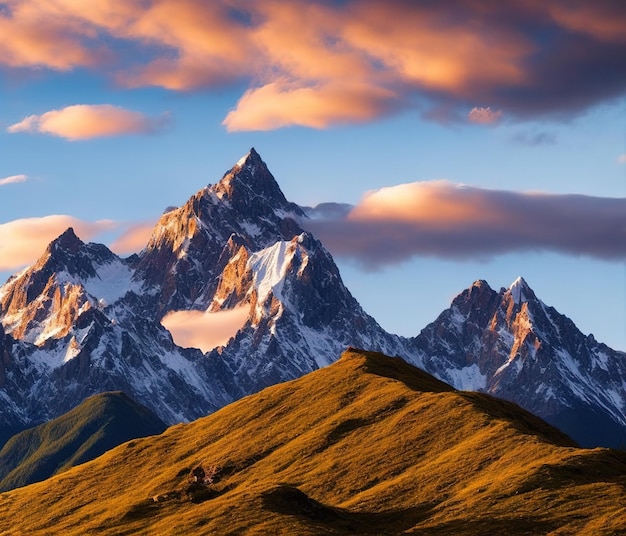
[621, 159]
[23, 241]
[13, 179]
[83, 122]
[318, 58]
[448, 220]
[484, 116]
[133, 239]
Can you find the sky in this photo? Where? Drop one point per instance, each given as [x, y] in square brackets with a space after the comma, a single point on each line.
[474, 139]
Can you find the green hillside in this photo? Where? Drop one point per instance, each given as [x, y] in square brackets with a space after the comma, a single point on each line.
[368, 445]
[99, 424]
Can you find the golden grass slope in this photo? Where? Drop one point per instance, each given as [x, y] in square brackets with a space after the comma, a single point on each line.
[369, 445]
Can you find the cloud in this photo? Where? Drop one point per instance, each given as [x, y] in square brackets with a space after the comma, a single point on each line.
[13, 179]
[133, 239]
[275, 106]
[23, 241]
[452, 221]
[84, 121]
[527, 59]
[484, 116]
[204, 330]
[621, 159]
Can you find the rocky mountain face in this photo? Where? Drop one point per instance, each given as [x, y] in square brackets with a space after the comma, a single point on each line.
[191, 245]
[81, 321]
[511, 345]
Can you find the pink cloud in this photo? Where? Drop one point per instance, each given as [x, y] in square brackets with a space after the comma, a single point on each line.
[484, 116]
[274, 106]
[84, 121]
[23, 241]
[448, 220]
[36, 34]
[13, 179]
[133, 239]
[621, 159]
[205, 330]
[424, 55]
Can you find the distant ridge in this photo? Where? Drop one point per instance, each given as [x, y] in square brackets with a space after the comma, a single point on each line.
[368, 445]
[91, 429]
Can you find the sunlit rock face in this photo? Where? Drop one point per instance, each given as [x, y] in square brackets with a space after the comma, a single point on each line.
[191, 245]
[266, 298]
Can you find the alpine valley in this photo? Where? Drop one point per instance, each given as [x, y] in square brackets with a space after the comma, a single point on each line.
[82, 320]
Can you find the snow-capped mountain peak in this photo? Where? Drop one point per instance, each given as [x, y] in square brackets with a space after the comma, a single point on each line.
[520, 291]
[249, 187]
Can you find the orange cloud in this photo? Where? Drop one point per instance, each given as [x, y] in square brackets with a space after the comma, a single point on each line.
[210, 47]
[13, 179]
[599, 19]
[435, 49]
[448, 220]
[429, 54]
[440, 203]
[133, 239]
[275, 105]
[204, 330]
[83, 122]
[23, 241]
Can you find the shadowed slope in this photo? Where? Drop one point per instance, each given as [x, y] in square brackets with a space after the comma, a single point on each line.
[368, 445]
[99, 424]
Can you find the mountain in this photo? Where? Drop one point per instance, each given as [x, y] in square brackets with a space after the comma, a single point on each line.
[191, 245]
[83, 320]
[89, 430]
[511, 345]
[368, 445]
[75, 334]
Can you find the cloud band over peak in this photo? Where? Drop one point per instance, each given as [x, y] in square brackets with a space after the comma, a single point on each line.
[452, 221]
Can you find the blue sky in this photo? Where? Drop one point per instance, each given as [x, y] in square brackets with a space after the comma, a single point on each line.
[117, 110]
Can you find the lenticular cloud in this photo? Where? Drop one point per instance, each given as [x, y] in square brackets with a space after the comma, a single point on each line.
[452, 221]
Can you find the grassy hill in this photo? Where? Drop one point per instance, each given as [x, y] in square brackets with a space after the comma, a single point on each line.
[89, 430]
[369, 445]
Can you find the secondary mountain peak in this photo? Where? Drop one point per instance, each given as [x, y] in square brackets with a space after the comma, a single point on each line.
[512, 345]
[66, 241]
